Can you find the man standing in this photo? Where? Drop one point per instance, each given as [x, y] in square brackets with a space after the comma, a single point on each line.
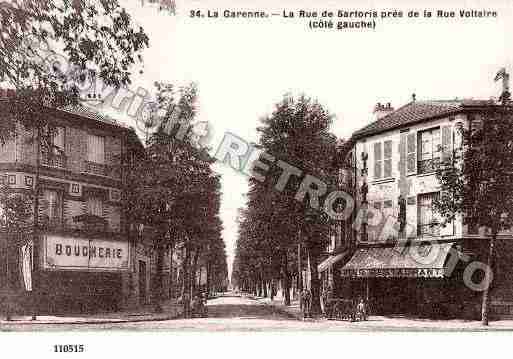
[307, 299]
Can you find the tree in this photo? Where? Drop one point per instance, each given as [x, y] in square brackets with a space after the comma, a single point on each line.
[174, 189]
[50, 52]
[15, 226]
[297, 134]
[476, 180]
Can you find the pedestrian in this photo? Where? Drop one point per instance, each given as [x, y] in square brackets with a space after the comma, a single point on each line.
[307, 301]
[361, 310]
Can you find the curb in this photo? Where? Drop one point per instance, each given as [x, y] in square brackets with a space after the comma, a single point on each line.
[101, 321]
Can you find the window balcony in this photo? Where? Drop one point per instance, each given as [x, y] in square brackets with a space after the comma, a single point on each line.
[427, 166]
[56, 160]
[429, 230]
[96, 168]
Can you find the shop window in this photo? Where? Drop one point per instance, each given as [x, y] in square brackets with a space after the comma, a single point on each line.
[428, 219]
[429, 150]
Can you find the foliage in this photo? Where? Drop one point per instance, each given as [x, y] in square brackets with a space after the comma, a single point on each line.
[476, 182]
[296, 133]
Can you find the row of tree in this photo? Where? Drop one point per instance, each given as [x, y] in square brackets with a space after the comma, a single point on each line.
[172, 188]
[275, 221]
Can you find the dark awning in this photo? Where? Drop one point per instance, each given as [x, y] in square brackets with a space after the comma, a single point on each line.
[330, 261]
[426, 260]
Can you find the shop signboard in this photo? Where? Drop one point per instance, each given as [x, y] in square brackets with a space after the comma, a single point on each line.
[84, 254]
[394, 272]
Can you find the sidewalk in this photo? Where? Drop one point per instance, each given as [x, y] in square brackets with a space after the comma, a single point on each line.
[171, 310]
[393, 322]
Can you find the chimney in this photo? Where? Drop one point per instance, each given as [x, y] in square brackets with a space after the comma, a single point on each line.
[381, 110]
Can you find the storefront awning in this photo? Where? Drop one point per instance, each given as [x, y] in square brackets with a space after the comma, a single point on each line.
[426, 260]
[330, 261]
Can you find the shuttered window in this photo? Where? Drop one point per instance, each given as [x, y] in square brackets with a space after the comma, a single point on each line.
[95, 206]
[52, 207]
[378, 160]
[411, 153]
[383, 159]
[387, 159]
[96, 149]
[447, 140]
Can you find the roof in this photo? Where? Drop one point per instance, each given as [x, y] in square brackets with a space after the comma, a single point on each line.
[91, 113]
[418, 111]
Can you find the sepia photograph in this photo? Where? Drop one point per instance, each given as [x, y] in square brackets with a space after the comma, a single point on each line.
[320, 169]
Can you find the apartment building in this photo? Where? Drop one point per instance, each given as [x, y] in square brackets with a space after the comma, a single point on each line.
[86, 258]
[405, 261]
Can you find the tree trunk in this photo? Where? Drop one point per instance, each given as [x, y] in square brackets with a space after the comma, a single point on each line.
[314, 281]
[486, 293]
[194, 272]
[158, 288]
[286, 280]
[171, 273]
[186, 292]
[264, 284]
[209, 279]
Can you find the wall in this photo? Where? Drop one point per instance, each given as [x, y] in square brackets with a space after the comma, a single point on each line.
[400, 182]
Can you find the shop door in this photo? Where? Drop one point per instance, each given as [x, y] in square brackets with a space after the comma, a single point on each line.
[142, 282]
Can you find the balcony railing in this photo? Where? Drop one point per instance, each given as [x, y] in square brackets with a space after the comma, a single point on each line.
[427, 166]
[429, 230]
[96, 168]
[57, 160]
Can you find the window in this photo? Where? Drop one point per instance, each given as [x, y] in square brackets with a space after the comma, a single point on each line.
[52, 209]
[53, 154]
[428, 221]
[96, 149]
[383, 159]
[95, 206]
[429, 150]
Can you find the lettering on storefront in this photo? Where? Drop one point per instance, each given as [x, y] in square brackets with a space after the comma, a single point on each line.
[394, 272]
[85, 254]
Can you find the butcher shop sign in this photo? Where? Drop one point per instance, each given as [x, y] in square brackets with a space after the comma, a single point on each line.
[65, 253]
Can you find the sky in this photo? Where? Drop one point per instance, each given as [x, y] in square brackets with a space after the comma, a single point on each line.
[244, 66]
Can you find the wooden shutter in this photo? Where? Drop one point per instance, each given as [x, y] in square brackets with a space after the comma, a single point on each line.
[446, 143]
[96, 149]
[411, 153]
[378, 160]
[387, 159]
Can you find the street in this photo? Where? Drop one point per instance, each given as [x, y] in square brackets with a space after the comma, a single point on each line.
[239, 313]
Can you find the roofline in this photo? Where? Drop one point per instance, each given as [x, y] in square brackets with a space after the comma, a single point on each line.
[464, 108]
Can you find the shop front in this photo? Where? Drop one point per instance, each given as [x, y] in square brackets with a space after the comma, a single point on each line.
[421, 280]
[81, 275]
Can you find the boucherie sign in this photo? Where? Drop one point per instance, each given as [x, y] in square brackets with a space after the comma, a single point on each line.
[67, 253]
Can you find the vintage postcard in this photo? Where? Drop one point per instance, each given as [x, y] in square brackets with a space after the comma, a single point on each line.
[303, 167]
